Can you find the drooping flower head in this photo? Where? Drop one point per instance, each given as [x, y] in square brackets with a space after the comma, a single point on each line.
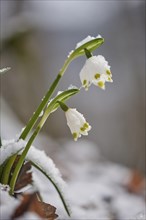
[77, 123]
[95, 71]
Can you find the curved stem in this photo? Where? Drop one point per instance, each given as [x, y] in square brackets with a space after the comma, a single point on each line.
[55, 185]
[7, 169]
[45, 100]
[35, 133]
[21, 160]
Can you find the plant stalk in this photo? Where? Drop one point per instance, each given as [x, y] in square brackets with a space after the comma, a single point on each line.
[45, 100]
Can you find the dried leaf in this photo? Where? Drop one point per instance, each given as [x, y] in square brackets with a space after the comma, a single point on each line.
[136, 182]
[48, 210]
[30, 203]
[25, 176]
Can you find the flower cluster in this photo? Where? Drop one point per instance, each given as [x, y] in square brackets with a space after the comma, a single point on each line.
[95, 71]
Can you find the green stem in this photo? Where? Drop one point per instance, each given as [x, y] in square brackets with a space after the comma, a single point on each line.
[2, 166]
[7, 169]
[45, 100]
[21, 160]
[31, 123]
[87, 53]
[42, 105]
[63, 106]
[35, 133]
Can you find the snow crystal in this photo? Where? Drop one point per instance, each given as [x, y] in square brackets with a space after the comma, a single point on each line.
[59, 92]
[4, 187]
[8, 204]
[43, 161]
[4, 70]
[9, 148]
[49, 102]
[41, 114]
[70, 53]
[72, 87]
[87, 39]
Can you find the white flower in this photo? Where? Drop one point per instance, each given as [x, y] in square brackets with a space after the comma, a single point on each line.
[87, 39]
[95, 71]
[77, 123]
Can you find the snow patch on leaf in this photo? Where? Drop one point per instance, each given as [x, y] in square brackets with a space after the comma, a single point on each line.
[87, 39]
[37, 156]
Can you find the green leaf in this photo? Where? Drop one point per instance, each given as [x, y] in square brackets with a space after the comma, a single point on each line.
[2, 167]
[90, 45]
[55, 185]
[64, 96]
[5, 168]
[4, 70]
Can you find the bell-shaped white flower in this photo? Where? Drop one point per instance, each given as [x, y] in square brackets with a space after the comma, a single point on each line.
[95, 71]
[77, 123]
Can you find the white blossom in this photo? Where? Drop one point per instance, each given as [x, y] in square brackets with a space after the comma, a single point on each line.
[95, 71]
[87, 39]
[77, 123]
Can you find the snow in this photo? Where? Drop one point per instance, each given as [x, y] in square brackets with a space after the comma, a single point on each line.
[70, 53]
[96, 187]
[4, 70]
[9, 148]
[29, 216]
[35, 155]
[72, 87]
[8, 203]
[41, 114]
[43, 161]
[87, 39]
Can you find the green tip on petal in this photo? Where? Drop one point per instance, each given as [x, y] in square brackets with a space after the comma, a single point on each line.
[82, 129]
[97, 76]
[108, 72]
[84, 82]
[86, 125]
[75, 136]
[101, 84]
[110, 79]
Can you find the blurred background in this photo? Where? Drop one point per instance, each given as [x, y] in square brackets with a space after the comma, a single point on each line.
[36, 37]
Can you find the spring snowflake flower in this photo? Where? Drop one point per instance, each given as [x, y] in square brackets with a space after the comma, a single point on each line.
[77, 123]
[95, 71]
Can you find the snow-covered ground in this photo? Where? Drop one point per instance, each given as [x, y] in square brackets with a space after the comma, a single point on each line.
[96, 188]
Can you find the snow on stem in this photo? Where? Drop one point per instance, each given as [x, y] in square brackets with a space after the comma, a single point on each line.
[39, 160]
